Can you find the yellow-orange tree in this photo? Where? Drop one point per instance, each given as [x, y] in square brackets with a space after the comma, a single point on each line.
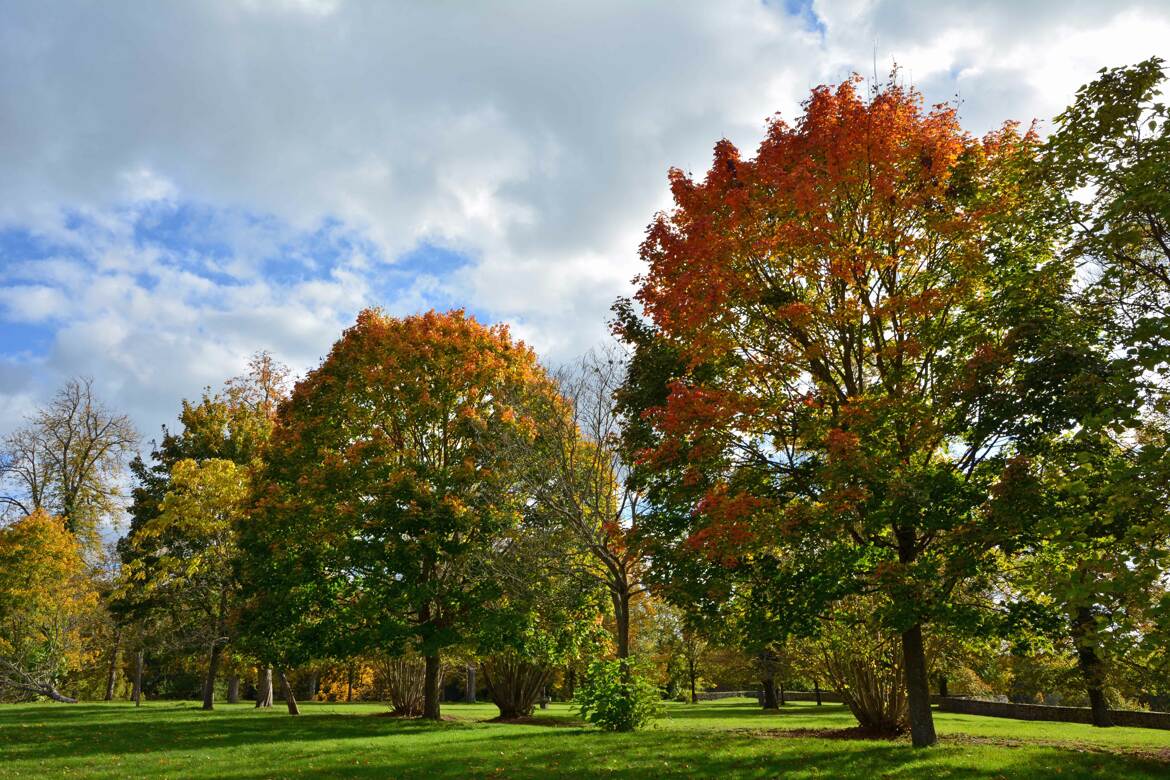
[46, 597]
[864, 317]
[394, 469]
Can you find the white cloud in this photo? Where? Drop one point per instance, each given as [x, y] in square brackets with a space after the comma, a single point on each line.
[532, 136]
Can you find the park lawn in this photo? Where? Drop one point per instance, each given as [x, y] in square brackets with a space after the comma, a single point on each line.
[730, 738]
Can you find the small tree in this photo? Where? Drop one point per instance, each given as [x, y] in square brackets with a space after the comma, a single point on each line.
[46, 596]
[618, 695]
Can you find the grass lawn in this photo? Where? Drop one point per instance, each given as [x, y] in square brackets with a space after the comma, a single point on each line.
[730, 738]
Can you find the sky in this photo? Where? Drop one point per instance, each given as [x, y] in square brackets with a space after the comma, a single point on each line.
[185, 183]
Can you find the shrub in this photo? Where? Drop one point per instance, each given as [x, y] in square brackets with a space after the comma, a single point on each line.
[616, 701]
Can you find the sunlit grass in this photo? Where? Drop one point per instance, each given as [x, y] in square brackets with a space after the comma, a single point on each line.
[725, 739]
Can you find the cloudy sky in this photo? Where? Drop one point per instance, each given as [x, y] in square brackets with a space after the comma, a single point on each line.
[184, 183]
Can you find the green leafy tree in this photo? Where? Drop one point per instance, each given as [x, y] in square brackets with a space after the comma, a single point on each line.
[390, 478]
[859, 310]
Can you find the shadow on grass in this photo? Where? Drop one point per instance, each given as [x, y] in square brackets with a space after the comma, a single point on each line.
[257, 744]
[80, 729]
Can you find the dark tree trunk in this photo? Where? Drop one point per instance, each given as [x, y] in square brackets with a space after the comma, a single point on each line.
[138, 678]
[942, 685]
[311, 686]
[817, 690]
[621, 619]
[349, 683]
[431, 688]
[691, 673]
[469, 690]
[212, 671]
[1092, 667]
[289, 699]
[572, 681]
[263, 686]
[780, 692]
[113, 669]
[234, 689]
[917, 688]
[770, 693]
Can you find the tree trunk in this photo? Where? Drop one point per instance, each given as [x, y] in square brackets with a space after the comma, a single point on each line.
[289, 699]
[431, 688]
[572, 681]
[349, 683]
[138, 678]
[311, 686]
[469, 690]
[515, 685]
[692, 675]
[817, 690]
[212, 672]
[942, 685]
[917, 688]
[780, 691]
[263, 686]
[770, 693]
[1092, 667]
[49, 691]
[234, 689]
[110, 676]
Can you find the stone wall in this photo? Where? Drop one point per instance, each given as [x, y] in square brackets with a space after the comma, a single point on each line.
[997, 709]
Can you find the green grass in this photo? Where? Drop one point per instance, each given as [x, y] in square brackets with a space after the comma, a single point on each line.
[730, 738]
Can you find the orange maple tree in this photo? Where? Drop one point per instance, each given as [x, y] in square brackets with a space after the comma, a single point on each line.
[851, 308]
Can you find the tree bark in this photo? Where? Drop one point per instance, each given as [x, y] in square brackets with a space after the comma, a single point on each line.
[770, 693]
[817, 690]
[572, 681]
[110, 676]
[431, 688]
[138, 678]
[263, 686]
[780, 691]
[691, 673]
[942, 685]
[212, 672]
[621, 618]
[289, 699]
[469, 689]
[234, 689]
[1092, 667]
[349, 683]
[49, 691]
[917, 688]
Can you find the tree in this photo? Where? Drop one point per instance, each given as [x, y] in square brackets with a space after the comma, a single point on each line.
[587, 492]
[856, 310]
[1095, 568]
[67, 460]
[179, 569]
[388, 481]
[547, 615]
[46, 596]
[185, 555]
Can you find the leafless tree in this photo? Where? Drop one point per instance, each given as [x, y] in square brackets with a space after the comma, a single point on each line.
[68, 460]
[588, 493]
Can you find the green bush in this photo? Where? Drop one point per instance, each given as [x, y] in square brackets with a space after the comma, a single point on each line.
[607, 700]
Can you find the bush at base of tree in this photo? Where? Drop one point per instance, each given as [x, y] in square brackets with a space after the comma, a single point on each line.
[402, 680]
[616, 701]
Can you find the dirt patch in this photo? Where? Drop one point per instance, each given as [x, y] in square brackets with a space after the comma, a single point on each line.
[1156, 754]
[855, 733]
[400, 716]
[536, 720]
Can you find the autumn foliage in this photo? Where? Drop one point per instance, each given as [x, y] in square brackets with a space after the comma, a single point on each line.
[849, 308]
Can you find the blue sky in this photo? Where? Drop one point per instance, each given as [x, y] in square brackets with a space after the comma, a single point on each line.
[188, 182]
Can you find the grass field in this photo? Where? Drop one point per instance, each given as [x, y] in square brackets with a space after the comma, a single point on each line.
[730, 738]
